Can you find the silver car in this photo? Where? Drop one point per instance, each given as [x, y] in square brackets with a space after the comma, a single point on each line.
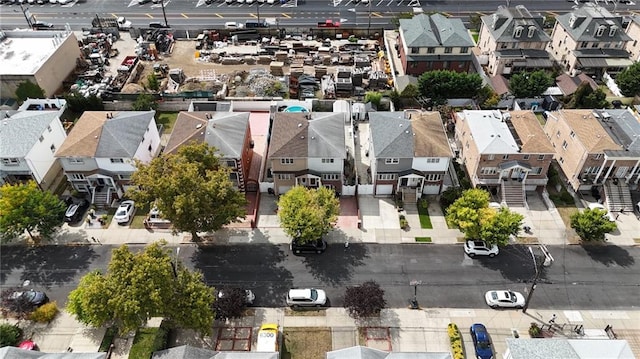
[306, 298]
[124, 213]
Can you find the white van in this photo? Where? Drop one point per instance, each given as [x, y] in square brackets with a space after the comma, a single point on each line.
[268, 338]
[232, 25]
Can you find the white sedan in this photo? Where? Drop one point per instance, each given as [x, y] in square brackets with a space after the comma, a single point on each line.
[124, 212]
[504, 299]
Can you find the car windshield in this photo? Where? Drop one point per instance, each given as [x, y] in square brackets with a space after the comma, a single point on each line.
[121, 212]
[494, 295]
[483, 344]
[314, 294]
[512, 296]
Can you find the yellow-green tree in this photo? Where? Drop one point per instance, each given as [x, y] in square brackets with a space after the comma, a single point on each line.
[308, 214]
[140, 286]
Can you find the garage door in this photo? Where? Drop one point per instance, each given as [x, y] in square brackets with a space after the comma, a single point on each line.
[283, 189]
[431, 189]
[384, 190]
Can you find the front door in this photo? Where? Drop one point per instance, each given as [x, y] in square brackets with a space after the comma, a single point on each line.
[515, 173]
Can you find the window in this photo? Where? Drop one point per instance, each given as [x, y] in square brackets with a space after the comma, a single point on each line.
[10, 161]
[540, 157]
[433, 177]
[286, 161]
[505, 157]
[532, 30]
[77, 176]
[464, 50]
[330, 176]
[600, 30]
[53, 148]
[116, 160]
[49, 128]
[518, 32]
[491, 157]
[386, 176]
[561, 160]
[150, 148]
[327, 160]
[433, 160]
[41, 138]
[431, 50]
[612, 31]
[564, 145]
[415, 50]
[124, 176]
[558, 134]
[391, 161]
[572, 134]
[597, 156]
[536, 170]
[488, 170]
[231, 163]
[525, 157]
[284, 176]
[447, 50]
[76, 161]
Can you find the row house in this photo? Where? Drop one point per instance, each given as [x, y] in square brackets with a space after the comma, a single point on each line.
[598, 150]
[29, 138]
[99, 155]
[591, 40]
[228, 132]
[434, 42]
[409, 152]
[514, 40]
[633, 30]
[507, 153]
[307, 149]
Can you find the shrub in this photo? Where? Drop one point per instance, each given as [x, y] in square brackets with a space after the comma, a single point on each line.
[9, 335]
[456, 341]
[535, 331]
[108, 338]
[45, 313]
[147, 341]
[364, 300]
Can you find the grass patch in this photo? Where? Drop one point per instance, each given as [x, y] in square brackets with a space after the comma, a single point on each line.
[138, 219]
[306, 343]
[108, 338]
[110, 213]
[475, 36]
[305, 312]
[167, 120]
[147, 341]
[565, 213]
[461, 240]
[423, 239]
[423, 214]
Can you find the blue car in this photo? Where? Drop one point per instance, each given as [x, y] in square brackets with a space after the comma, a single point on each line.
[481, 341]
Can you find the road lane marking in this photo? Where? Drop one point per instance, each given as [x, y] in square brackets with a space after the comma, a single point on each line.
[376, 14]
[149, 16]
[184, 16]
[114, 15]
[286, 15]
[220, 16]
[253, 15]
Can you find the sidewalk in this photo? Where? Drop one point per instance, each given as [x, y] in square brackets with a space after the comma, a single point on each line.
[409, 330]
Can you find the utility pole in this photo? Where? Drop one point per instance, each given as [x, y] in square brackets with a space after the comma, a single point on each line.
[258, 10]
[164, 14]
[26, 17]
[534, 284]
[369, 23]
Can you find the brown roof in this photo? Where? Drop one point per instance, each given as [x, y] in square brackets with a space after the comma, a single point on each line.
[568, 85]
[430, 139]
[588, 130]
[189, 127]
[289, 135]
[83, 139]
[530, 132]
[500, 84]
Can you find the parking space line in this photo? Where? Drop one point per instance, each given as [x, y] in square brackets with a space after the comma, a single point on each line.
[184, 16]
[253, 15]
[376, 14]
[149, 16]
[286, 15]
[220, 16]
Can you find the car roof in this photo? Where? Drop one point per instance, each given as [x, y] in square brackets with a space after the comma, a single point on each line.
[480, 330]
[300, 293]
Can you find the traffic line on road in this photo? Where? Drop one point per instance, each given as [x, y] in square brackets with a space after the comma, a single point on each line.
[149, 16]
[114, 15]
[253, 15]
[286, 15]
[376, 14]
[220, 16]
[184, 15]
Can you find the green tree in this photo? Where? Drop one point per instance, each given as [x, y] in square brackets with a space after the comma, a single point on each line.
[28, 89]
[629, 80]
[308, 214]
[530, 84]
[140, 286]
[592, 224]
[152, 82]
[79, 103]
[374, 97]
[500, 227]
[443, 84]
[144, 102]
[487, 98]
[191, 188]
[9, 335]
[364, 300]
[410, 91]
[25, 207]
[585, 97]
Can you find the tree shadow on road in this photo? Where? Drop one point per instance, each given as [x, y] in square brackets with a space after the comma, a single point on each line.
[609, 255]
[515, 264]
[335, 266]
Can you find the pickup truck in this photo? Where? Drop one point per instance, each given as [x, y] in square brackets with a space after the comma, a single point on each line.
[329, 23]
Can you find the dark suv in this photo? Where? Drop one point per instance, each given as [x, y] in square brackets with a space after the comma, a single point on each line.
[317, 246]
[76, 210]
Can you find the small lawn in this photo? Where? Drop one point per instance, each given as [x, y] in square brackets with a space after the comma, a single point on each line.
[423, 213]
[423, 239]
[306, 342]
[167, 120]
[309, 312]
[147, 341]
[138, 219]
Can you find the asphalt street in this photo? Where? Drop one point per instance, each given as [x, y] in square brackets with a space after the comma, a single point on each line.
[580, 278]
[183, 14]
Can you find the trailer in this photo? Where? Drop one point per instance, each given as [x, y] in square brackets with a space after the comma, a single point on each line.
[121, 23]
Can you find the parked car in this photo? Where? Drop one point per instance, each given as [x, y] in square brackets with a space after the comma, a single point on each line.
[481, 342]
[248, 299]
[480, 248]
[504, 299]
[124, 213]
[157, 25]
[42, 25]
[306, 298]
[76, 211]
[318, 246]
[32, 297]
[28, 345]
[268, 338]
[602, 208]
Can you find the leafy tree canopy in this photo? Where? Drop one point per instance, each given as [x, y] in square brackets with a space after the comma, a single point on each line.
[586, 97]
[25, 207]
[443, 84]
[191, 189]
[364, 300]
[79, 103]
[629, 80]
[374, 97]
[140, 286]
[592, 224]
[144, 102]
[232, 304]
[530, 84]
[308, 214]
[28, 89]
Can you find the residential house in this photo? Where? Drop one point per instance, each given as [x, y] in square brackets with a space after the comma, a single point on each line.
[229, 132]
[582, 348]
[99, 154]
[507, 153]
[633, 30]
[409, 153]
[568, 84]
[514, 40]
[307, 149]
[29, 138]
[598, 148]
[434, 42]
[591, 40]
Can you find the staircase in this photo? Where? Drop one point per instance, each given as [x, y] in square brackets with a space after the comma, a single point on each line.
[618, 196]
[240, 177]
[513, 193]
[409, 194]
[101, 199]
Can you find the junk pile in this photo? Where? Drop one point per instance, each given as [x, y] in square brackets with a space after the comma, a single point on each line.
[152, 43]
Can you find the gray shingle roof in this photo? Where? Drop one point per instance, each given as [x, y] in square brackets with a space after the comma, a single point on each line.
[226, 131]
[21, 131]
[295, 136]
[503, 22]
[189, 352]
[582, 24]
[435, 31]
[17, 353]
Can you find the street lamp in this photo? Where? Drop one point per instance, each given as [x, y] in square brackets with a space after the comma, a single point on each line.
[164, 14]
[533, 285]
[414, 301]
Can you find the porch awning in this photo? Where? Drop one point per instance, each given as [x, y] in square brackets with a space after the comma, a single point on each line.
[307, 172]
[411, 174]
[511, 164]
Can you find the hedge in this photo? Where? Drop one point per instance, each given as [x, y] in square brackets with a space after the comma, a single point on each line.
[456, 341]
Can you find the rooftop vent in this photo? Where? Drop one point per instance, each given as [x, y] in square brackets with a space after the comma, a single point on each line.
[299, 125]
[199, 126]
